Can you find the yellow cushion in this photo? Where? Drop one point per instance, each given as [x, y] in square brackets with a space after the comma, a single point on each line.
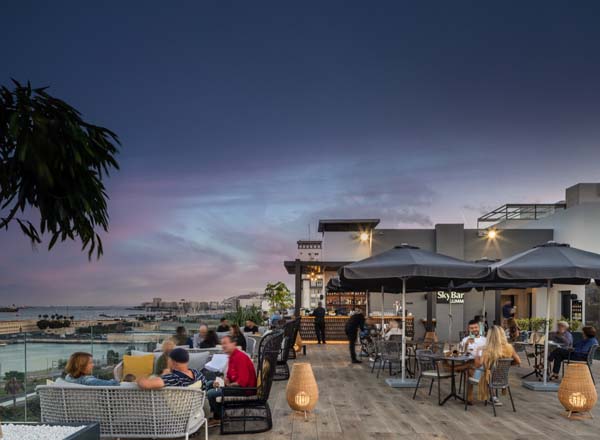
[197, 385]
[139, 366]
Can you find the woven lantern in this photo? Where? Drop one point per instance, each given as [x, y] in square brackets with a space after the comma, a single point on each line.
[302, 391]
[577, 392]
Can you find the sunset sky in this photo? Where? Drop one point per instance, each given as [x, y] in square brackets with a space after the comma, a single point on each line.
[243, 122]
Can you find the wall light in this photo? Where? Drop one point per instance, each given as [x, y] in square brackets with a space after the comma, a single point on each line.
[491, 234]
[364, 236]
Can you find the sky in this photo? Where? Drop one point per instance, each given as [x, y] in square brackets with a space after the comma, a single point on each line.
[242, 123]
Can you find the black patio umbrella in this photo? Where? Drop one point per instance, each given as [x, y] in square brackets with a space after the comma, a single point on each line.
[548, 263]
[407, 267]
[483, 286]
[334, 285]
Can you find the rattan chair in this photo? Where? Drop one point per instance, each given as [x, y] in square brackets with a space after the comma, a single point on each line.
[250, 413]
[589, 361]
[428, 367]
[499, 380]
[289, 331]
[126, 412]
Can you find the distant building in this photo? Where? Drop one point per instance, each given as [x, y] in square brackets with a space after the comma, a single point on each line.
[14, 327]
[500, 233]
[214, 305]
[250, 300]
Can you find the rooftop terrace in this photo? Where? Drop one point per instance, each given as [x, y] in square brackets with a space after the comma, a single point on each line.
[354, 404]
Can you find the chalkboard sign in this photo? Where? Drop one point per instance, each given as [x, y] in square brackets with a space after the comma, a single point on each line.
[577, 310]
[444, 297]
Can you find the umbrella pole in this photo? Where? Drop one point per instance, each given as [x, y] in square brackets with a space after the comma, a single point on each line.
[382, 311]
[546, 333]
[403, 382]
[483, 306]
[449, 314]
[403, 328]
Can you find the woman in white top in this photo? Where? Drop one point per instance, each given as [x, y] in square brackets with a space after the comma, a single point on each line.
[393, 330]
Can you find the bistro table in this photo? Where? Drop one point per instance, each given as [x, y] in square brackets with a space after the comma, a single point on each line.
[452, 360]
[538, 355]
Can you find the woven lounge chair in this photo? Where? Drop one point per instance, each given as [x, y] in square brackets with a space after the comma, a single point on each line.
[292, 354]
[250, 413]
[126, 412]
[287, 346]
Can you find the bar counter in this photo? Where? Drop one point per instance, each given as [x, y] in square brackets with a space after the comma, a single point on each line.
[334, 327]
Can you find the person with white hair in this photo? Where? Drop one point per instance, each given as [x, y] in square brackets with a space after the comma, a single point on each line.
[562, 335]
[199, 337]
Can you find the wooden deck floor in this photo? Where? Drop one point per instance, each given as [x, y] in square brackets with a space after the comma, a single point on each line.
[354, 404]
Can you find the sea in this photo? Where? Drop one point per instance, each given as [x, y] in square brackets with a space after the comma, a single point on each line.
[91, 312]
[46, 356]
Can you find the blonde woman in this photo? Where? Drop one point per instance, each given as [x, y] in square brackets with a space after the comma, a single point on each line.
[497, 348]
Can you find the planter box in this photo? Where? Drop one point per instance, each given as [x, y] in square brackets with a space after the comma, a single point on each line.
[87, 432]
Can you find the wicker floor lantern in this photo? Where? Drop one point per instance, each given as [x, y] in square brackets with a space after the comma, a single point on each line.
[302, 391]
[577, 392]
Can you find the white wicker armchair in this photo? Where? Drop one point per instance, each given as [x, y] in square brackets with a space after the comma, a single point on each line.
[126, 412]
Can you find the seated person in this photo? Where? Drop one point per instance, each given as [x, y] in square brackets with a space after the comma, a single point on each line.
[223, 326]
[210, 341]
[513, 332]
[473, 342]
[275, 318]
[394, 329]
[178, 375]
[240, 373]
[562, 335]
[181, 336]
[578, 353]
[250, 327]
[161, 364]
[79, 370]
[199, 337]
[497, 347]
[238, 336]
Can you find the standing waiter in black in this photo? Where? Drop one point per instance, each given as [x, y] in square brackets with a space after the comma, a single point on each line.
[319, 314]
[355, 323]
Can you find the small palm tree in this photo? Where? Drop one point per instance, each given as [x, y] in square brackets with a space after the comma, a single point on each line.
[279, 296]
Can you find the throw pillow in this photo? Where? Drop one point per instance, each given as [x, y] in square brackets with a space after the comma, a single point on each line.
[139, 366]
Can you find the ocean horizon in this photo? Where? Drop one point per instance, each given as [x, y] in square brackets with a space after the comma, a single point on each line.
[78, 312]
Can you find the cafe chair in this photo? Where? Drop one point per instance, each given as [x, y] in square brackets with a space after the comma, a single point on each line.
[499, 380]
[589, 361]
[391, 352]
[429, 368]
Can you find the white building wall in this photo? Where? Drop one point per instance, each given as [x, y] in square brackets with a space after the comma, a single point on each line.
[344, 246]
[578, 226]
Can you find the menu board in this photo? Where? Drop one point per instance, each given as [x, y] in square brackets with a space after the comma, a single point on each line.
[577, 310]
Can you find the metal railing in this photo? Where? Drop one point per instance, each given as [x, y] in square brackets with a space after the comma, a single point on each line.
[518, 211]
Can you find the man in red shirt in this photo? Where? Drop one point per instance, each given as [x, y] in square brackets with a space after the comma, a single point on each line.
[240, 373]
